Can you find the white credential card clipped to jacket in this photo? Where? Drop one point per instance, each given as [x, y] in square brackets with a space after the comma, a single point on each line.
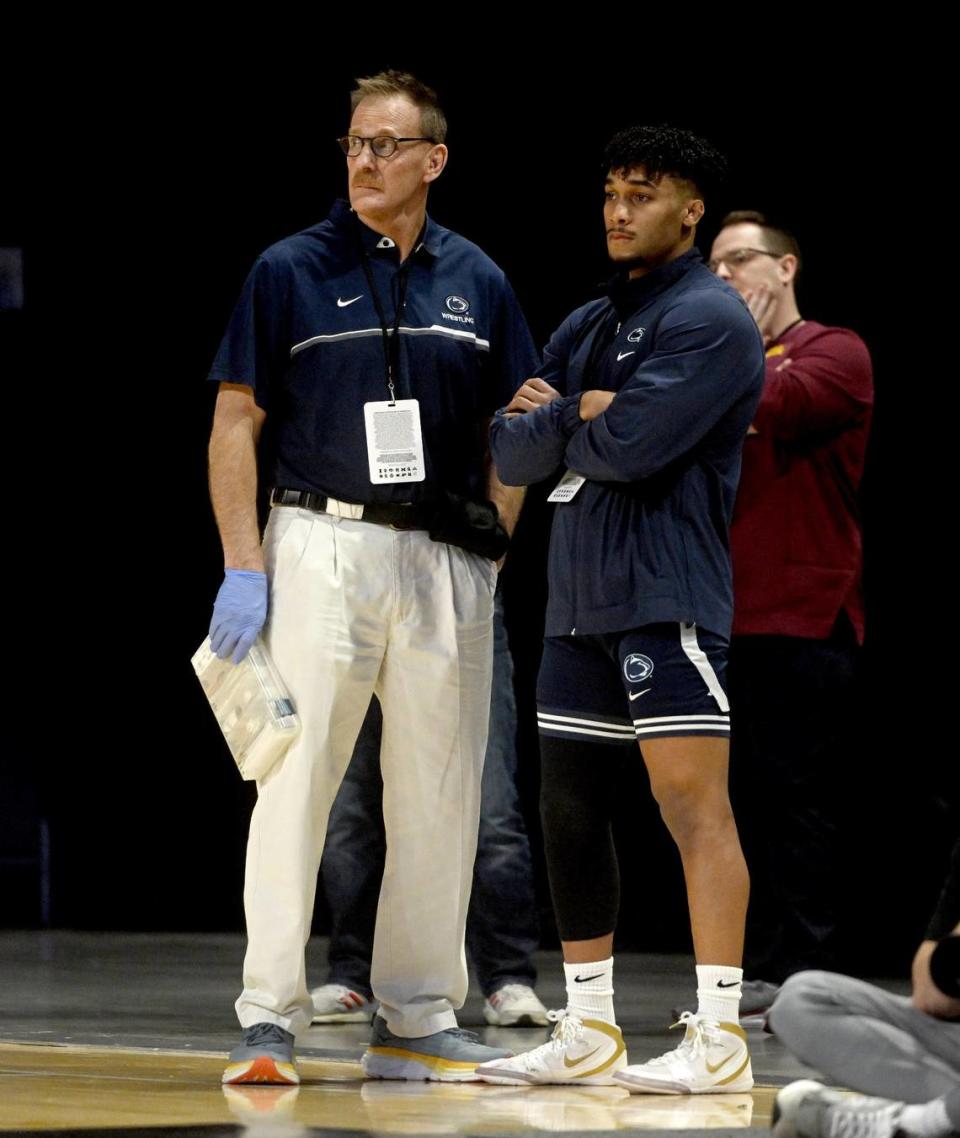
[252, 706]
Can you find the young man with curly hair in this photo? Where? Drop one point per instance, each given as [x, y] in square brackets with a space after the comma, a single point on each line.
[645, 396]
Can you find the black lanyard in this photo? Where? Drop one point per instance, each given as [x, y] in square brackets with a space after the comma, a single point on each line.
[799, 320]
[391, 337]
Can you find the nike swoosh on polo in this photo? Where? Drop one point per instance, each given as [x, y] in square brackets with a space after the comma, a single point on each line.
[582, 1059]
[584, 979]
[637, 694]
[623, 355]
[344, 303]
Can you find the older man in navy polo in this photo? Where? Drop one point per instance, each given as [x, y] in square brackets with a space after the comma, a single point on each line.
[371, 349]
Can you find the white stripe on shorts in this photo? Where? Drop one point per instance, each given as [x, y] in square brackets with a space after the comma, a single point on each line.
[697, 657]
[666, 726]
[590, 722]
[574, 726]
[565, 730]
[678, 719]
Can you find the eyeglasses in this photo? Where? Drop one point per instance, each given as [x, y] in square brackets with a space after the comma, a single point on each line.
[739, 257]
[383, 145]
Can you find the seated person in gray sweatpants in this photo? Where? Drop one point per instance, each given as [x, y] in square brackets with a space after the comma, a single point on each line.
[905, 1048]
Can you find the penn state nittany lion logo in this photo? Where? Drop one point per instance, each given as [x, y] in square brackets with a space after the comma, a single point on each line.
[637, 668]
[636, 335]
[457, 304]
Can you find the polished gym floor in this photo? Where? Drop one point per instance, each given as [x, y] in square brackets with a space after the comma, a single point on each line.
[122, 1033]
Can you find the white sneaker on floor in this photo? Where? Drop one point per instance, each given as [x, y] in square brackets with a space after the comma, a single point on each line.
[807, 1109]
[712, 1059]
[515, 1005]
[335, 1003]
[586, 1052]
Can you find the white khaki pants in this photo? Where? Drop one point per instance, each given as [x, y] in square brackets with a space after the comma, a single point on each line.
[358, 609]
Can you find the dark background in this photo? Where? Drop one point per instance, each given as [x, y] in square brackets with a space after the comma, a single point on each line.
[141, 192]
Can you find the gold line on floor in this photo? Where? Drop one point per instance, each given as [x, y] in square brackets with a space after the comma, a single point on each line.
[45, 1087]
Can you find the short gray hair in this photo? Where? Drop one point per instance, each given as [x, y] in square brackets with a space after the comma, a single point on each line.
[385, 84]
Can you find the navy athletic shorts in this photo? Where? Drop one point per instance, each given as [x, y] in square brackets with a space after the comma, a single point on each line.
[653, 682]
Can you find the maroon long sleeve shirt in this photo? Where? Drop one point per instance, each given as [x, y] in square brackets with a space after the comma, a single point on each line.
[795, 539]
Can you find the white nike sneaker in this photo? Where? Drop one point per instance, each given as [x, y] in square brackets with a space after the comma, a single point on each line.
[515, 1005]
[335, 1003]
[807, 1109]
[580, 1051]
[712, 1059]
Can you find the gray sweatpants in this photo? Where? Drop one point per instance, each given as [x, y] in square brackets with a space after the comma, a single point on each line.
[867, 1039]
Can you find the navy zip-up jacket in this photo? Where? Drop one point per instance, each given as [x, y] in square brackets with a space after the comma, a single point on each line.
[645, 539]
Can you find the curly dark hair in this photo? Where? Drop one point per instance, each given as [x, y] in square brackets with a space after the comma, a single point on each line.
[669, 150]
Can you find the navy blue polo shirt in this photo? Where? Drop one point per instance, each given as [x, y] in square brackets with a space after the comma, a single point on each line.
[306, 336]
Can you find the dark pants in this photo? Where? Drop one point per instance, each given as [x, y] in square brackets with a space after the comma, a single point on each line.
[792, 704]
[502, 925]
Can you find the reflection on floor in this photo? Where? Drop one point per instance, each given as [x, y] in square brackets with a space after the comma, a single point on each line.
[116, 1032]
[47, 1087]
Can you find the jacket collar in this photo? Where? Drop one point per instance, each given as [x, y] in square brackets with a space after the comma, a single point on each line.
[628, 295]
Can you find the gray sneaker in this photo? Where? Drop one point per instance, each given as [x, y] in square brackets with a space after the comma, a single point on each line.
[756, 999]
[449, 1056]
[265, 1056]
[807, 1109]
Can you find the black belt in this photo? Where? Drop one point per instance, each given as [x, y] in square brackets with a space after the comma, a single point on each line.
[398, 515]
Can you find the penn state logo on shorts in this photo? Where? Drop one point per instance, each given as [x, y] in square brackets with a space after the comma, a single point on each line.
[637, 668]
[636, 335]
[457, 305]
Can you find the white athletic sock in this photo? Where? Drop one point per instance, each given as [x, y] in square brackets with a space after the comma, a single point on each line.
[718, 992]
[926, 1119]
[590, 990]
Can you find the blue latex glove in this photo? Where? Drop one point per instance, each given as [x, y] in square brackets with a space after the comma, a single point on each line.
[239, 613]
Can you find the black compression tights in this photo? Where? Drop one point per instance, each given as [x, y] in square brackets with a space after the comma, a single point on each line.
[578, 785]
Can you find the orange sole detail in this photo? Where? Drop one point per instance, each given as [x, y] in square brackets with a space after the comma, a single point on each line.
[263, 1070]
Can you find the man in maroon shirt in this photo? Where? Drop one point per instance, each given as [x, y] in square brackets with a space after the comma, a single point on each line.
[798, 604]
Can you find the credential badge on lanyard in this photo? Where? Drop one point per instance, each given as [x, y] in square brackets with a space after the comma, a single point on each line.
[394, 437]
[567, 488]
[394, 441]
